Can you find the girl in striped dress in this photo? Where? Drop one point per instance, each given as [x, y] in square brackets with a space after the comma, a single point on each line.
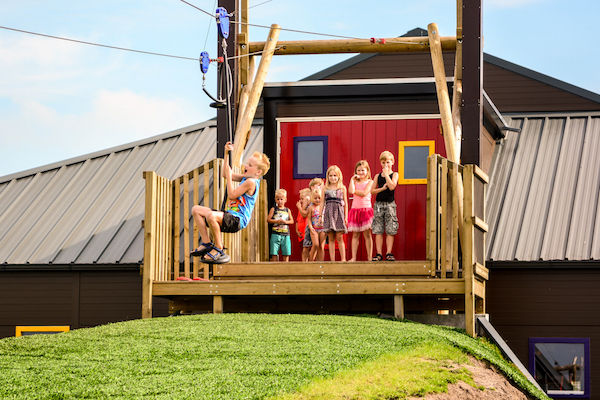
[335, 212]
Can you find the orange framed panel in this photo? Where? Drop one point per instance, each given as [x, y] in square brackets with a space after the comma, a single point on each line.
[402, 145]
[32, 330]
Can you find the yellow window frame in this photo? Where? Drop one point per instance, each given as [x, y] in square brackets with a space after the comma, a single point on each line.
[412, 143]
[20, 329]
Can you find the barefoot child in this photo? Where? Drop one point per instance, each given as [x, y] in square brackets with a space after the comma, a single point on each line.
[314, 225]
[301, 218]
[335, 212]
[281, 218]
[385, 219]
[238, 211]
[360, 216]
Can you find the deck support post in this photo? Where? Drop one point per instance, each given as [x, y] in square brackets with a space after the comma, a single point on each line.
[398, 306]
[149, 244]
[217, 304]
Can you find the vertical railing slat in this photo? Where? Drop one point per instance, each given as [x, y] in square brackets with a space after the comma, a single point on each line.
[186, 226]
[431, 210]
[196, 200]
[468, 256]
[444, 219]
[176, 226]
[454, 230]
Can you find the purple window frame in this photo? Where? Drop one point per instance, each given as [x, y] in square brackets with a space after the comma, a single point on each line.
[298, 139]
[586, 354]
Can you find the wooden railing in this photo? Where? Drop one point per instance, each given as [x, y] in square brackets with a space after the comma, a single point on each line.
[454, 258]
[170, 233]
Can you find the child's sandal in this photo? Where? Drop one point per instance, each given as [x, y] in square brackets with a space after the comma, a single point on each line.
[378, 257]
[220, 258]
[390, 257]
[202, 249]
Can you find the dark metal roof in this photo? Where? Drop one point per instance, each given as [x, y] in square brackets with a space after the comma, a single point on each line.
[487, 58]
[544, 195]
[88, 210]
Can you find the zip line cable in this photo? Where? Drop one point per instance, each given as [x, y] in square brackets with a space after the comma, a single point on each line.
[98, 44]
[268, 27]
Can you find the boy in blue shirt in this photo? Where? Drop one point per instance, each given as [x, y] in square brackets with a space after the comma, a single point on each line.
[240, 204]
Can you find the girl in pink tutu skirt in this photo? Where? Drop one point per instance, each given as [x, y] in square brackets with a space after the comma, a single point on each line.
[360, 216]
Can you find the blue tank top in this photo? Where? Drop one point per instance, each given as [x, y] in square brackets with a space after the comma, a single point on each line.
[243, 206]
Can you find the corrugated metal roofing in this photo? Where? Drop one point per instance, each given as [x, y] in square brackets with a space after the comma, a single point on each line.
[89, 209]
[543, 198]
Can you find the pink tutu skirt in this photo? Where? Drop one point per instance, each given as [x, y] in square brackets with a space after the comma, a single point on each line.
[360, 219]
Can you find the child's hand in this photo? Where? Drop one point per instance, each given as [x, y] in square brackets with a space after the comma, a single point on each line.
[228, 146]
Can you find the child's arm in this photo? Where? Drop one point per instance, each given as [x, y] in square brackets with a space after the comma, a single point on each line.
[249, 186]
[270, 219]
[351, 187]
[309, 220]
[363, 193]
[227, 168]
[289, 221]
[345, 204]
[375, 189]
[391, 181]
[302, 211]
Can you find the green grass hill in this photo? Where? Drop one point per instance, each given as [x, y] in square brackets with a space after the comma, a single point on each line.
[245, 356]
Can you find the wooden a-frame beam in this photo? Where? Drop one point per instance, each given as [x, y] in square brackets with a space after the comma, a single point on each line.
[388, 45]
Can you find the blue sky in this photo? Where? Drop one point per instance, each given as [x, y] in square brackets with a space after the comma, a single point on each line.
[60, 100]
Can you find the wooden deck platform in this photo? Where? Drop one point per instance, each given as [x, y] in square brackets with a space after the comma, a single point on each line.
[451, 277]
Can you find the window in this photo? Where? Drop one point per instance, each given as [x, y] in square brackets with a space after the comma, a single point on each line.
[561, 366]
[310, 157]
[412, 161]
[39, 330]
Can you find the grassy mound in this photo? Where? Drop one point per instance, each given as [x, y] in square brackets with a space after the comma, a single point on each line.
[237, 356]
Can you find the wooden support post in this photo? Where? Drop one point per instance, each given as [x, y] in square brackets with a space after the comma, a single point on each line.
[217, 304]
[398, 306]
[469, 251]
[149, 244]
[457, 91]
[245, 124]
[243, 45]
[387, 45]
[445, 111]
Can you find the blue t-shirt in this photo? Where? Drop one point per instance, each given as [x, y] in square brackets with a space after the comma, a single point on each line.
[243, 206]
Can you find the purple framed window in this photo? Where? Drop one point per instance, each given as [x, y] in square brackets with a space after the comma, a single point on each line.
[561, 366]
[310, 157]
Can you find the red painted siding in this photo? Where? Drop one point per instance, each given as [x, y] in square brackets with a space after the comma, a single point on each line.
[350, 141]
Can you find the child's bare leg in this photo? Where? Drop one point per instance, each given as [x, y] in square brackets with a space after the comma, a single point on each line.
[321, 253]
[331, 236]
[305, 253]
[355, 241]
[379, 243]
[200, 213]
[214, 220]
[368, 243]
[314, 251]
[274, 258]
[285, 258]
[339, 236]
[389, 243]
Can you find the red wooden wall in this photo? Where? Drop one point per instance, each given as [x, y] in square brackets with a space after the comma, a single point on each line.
[350, 141]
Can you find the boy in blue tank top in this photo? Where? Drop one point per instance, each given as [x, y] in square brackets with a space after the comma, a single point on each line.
[240, 204]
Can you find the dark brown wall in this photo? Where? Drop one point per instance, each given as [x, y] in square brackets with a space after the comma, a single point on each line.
[510, 92]
[546, 302]
[75, 298]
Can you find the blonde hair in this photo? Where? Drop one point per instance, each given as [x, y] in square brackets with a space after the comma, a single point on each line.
[262, 162]
[304, 192]
[314, 182]
[338, 172]
[363, 163]
[281, 192]
[314, 194]
[386, 155]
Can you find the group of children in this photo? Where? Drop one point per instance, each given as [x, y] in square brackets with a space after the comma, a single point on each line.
[323, 213]
[324, 216]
